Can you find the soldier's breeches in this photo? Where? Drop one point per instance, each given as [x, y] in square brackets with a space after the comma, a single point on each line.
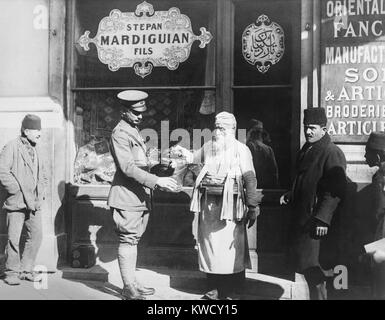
[130, 226]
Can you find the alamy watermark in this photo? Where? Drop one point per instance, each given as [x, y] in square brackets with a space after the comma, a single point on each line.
[41, 277]
[340, 281]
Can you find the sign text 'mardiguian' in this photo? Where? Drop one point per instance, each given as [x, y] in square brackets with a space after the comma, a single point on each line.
[144, 39]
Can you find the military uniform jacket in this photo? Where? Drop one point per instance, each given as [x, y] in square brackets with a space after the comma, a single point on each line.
[132, 182]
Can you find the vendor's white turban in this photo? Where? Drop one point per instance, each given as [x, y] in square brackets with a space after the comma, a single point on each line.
[226, 119]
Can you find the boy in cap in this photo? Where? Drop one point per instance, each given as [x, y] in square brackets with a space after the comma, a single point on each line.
[264, 162]
[375, 156]
[130, 190]
[23, 176]
[318, 189]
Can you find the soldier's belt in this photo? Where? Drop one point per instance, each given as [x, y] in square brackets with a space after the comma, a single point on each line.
[145, 168]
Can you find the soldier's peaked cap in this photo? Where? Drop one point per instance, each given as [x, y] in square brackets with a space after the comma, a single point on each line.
[135, 99]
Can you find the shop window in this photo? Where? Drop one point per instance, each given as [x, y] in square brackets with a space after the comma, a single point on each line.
[196, 71]
[271, 107]
[184, 97]
[266, 76]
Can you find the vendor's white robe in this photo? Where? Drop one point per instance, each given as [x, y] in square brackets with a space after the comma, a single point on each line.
[222, 244]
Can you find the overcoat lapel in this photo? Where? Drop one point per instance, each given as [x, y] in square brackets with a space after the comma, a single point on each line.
[307, 157]
[25, 155]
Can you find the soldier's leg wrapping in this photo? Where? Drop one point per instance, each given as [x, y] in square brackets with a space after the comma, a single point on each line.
[129, 227]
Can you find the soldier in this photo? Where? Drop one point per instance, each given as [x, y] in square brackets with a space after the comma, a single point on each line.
[130, 191]
[375, 156]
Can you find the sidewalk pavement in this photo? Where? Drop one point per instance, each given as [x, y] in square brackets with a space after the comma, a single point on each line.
[59, 288]
[103, 282]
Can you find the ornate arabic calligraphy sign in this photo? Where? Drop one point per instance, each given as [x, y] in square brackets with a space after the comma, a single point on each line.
[263, 43]
[144, 39]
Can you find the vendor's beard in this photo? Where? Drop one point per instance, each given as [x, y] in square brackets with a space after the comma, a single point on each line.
[221, 142]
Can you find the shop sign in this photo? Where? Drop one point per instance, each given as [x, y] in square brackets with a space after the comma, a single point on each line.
[353, 68]
[144, 39]
[263, 43]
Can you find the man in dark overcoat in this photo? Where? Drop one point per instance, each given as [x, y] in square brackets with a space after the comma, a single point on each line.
[317, 192]
[23, 176]
[375, 157]
[129, 195]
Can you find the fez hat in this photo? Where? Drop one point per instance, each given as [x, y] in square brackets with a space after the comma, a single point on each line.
[135, 99]
[315, 116]
[376, 141]
[32, 122]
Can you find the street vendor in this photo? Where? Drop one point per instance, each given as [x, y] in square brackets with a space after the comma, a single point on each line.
[222, 235]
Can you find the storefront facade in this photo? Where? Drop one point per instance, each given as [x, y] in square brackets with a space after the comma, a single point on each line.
[265, 60]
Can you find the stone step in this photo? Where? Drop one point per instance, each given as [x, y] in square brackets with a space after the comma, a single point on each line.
[257, 286]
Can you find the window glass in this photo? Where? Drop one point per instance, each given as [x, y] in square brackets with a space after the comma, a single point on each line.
[273, 108]
[97, 113]
[264, 44]
[187, 109]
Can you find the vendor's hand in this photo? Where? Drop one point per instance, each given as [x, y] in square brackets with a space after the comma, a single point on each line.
[320, 228]
[167, 183]
[181, 152]
[321, 231]
[285, 198]
[251, 216]
[379, 256]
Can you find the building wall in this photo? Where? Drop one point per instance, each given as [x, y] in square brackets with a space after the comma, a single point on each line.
[27, 85]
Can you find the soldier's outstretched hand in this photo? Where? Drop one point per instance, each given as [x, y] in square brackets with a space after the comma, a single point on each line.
[167, 183]
[180, 152]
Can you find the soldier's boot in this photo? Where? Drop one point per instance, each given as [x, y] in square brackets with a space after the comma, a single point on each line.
[12, 278]
[129, 292]
[127, 255]
[145, 291]
[30, 276]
